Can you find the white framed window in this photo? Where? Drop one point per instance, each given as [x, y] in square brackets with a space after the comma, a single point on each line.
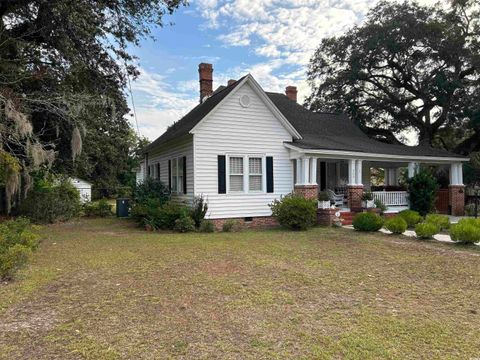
[236, 171]
[177, 175]
[246, 173]
[255, 174]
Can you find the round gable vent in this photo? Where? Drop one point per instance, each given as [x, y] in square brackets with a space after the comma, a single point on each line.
[245, 100]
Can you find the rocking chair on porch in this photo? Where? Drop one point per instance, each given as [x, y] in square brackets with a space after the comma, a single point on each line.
[337, 199]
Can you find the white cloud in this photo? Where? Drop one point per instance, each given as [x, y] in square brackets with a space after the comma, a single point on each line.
[286, 33]
[159, 103]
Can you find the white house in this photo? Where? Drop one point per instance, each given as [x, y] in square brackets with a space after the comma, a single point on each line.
[242, 147]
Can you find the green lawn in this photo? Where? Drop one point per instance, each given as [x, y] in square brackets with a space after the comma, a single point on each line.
[102, 289]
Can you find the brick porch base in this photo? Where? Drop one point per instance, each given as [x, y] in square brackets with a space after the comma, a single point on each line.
[354, 193]
[307, 191]
[456, 199]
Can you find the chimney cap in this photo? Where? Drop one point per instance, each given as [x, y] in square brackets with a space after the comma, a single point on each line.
[231, 82]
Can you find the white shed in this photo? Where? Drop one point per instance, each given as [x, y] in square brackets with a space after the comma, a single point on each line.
[84, 188]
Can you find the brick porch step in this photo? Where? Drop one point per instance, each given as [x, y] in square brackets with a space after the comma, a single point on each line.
[347, 217]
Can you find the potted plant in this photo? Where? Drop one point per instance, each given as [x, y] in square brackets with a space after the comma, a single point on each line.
[323, 200]
[367, 199]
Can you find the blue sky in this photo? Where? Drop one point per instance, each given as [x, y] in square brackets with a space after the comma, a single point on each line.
[271, 39]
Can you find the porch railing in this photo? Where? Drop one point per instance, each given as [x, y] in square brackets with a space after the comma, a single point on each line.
[392, 198]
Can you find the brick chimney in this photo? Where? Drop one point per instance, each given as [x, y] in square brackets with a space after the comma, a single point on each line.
[291, 92]
[231, 82]
[205, 72]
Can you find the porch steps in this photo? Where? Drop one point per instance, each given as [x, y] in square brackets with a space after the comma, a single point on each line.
[347, 217]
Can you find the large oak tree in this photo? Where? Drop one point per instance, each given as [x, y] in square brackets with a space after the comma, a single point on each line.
[407, 67]
[63, 70]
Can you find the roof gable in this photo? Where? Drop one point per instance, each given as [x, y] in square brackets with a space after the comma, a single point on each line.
[266, 100]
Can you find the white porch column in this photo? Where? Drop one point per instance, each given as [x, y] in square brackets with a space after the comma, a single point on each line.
[306, 171]
[358, 172]
[460, 174]
[412, 169]
[313, 171]
[456, 174]
[299, 171]
[351, 172]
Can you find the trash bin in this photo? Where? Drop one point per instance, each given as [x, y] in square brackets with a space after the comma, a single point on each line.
[123, 205]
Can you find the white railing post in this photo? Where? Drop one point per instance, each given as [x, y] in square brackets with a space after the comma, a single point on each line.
[392, 198]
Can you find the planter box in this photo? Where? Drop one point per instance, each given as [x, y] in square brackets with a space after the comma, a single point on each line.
[324, 204]
[368, 204]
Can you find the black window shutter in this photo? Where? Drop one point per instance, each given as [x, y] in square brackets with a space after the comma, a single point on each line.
[269, 174]
[222, 186]
[158, 171]
[184, 174]
[170, 175]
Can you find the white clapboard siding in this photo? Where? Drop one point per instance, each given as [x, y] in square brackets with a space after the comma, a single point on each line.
[84, 188]
[177, 148]
[237, 130]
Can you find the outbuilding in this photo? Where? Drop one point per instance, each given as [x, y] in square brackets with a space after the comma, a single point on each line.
[84, 188]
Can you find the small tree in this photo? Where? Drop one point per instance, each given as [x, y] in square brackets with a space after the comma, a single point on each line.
[423, 189]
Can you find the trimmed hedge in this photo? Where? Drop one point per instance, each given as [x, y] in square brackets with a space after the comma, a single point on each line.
[426, 230]
[411, 217]
[442, 221]
[367, 222]
[397, 225]
[467, 231]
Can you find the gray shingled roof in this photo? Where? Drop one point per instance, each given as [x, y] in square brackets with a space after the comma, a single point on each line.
[318, 130]
[337, 132]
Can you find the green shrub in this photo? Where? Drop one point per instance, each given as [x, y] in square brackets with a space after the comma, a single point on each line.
[422, 190]
[295, 212]
[199, 210]
[367, 196]
[207, 226]
[411, 217]
[17, 240]
[150, 189]
[323, 196]
[230, 225]
[380, 205]
[13, 259]
[99, 208]
[124, 192]
[48, 203]
[367, 221]
[467, 231]
[426, 230]
[442, 221]
[396, 225]
[184, 224]
[156, 215]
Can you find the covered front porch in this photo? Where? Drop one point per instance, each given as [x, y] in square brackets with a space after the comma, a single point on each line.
[345, 176]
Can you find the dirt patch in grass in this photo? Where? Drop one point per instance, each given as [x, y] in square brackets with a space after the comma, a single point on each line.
[103, 289]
